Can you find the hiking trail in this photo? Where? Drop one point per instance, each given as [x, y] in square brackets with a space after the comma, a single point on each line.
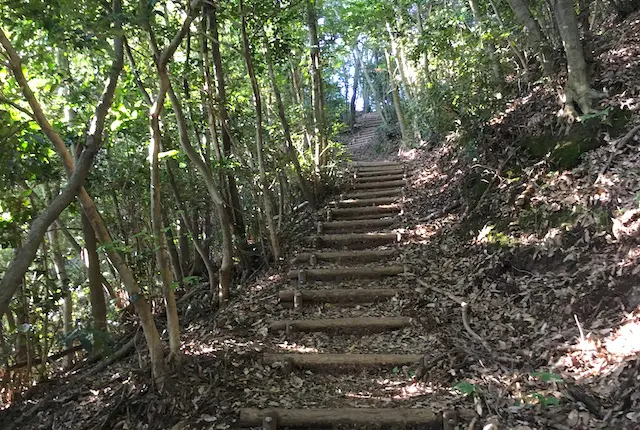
[346, 282]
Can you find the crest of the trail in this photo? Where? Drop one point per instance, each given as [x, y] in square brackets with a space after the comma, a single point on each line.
[354, 230]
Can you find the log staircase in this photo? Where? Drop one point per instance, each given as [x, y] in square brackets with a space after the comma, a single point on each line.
[355, 240]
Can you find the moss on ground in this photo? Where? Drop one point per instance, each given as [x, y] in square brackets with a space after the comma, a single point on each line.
[566, 150]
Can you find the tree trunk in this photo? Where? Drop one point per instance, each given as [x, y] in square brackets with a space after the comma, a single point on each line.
[210, 99]
[376, 97]
[401, 69]
[239, 227]
[538, 39]
[160, 245]
[213, 287]
[354, 94]
[78, 249]
[96, 294]
[316, 84]
[174, 257]
[577, 89]
[61, 272]
[489, 47]
[397, 104]
[268, 206]
[289, 148]
[365, 95]
[298, 94]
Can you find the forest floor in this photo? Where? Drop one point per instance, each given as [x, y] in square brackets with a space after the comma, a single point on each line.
[545, 258]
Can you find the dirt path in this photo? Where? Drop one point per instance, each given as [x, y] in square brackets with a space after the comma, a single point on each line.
[346, 295]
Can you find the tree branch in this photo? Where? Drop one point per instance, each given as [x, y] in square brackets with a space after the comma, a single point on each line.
[78, 173]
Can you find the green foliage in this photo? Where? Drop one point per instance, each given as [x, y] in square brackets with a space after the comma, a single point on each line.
[547, 376]
[534, 398]
[466, 388]
[546, 400]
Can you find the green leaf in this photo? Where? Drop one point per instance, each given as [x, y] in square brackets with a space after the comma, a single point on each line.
[547, 376]
[172, 153]
[115, 125]
[547, 401]
[466, 388]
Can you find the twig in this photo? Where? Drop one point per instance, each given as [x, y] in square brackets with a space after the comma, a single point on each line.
[114, 409]
[618, 144]
[441, 291]
[121, 353]
[472, 424]
[465, 322]
[25, 111]
[496, 174]
[582, 339]
[522, 270]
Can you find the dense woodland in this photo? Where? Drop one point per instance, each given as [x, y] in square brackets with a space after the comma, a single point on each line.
[158, 155]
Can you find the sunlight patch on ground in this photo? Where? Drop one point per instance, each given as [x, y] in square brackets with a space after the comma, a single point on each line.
[424, 232]
[407, 155]
[631, 260]
[397, 390]
[196, 348]
[261, 286]
[596, 356]
[294, 347]
[427, 176]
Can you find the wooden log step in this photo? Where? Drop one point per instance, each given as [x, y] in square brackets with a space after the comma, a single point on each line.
[376, 163]
[346, 272]
[380, 210]
[357, 216]
[389, 192]
[361, 324]
[361, 256]
[358, 225]
[367, 417]
[351, 203]
[360, 295]
[382, 178]
[378, 172]
[380, 169]
[357, 240]
[378, 185]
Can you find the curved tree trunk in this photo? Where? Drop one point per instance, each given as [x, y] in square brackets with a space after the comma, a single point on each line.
[183, 131]
[77, 174]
